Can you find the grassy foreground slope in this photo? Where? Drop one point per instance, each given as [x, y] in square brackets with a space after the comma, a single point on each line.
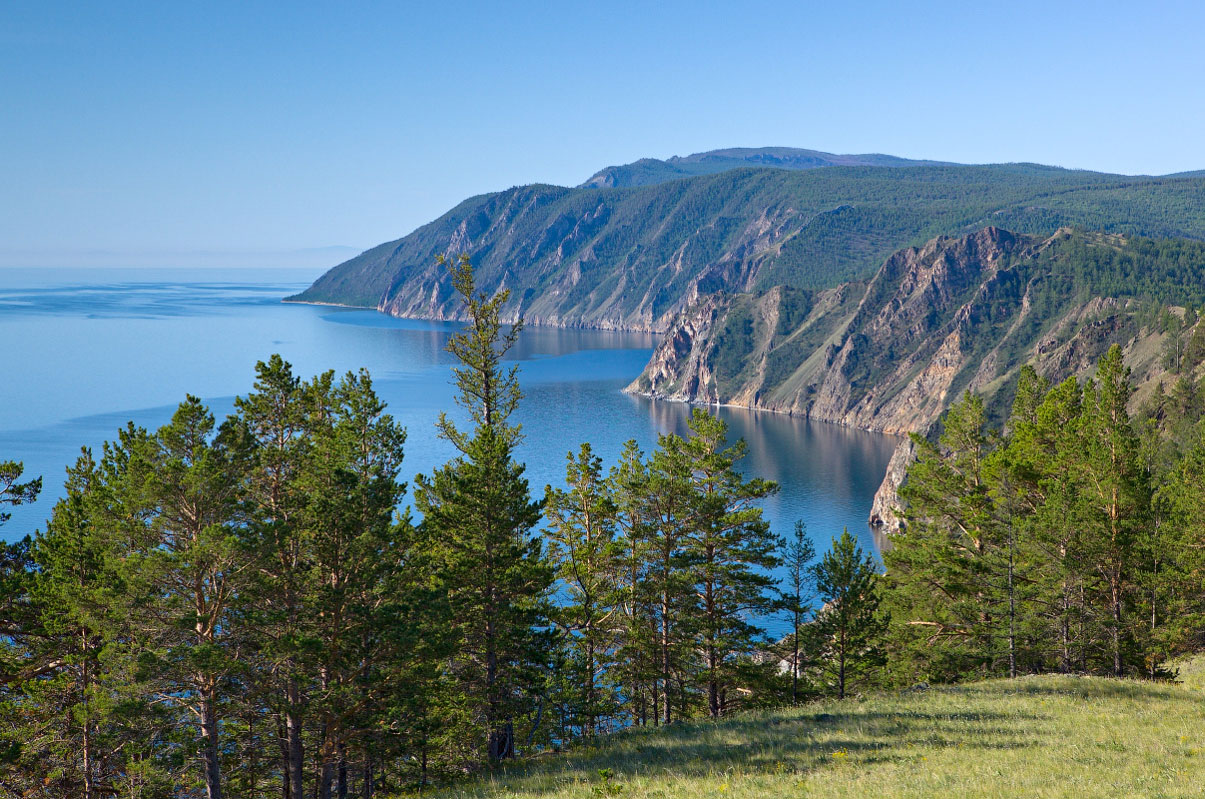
[1045, 736]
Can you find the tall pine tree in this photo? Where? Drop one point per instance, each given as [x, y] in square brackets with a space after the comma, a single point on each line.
[479, 516]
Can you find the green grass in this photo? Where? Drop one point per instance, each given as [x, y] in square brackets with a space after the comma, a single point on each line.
[1031, 737]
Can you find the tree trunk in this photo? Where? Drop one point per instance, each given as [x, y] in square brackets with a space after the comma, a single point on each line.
[296, 749]
[209, 736]
[795, 658]
[841, 664]
[713, 683]
[85, 677]
[590, 721]
[342, 773]
[502, 742]
[1012, 609]
[665, 676]
[326, 778]
[713, 660]
[282, 738]
[1116, 591]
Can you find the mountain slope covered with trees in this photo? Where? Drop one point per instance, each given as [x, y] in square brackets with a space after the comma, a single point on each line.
[633, 257]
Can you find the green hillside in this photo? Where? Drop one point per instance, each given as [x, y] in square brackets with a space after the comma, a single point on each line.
[631, 257]
[1045, 736]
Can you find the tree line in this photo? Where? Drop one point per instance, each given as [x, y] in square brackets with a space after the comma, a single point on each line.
[239, 609]
[1069, 542]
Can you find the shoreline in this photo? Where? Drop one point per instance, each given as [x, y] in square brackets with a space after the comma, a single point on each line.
[900, 438]
[291, 301]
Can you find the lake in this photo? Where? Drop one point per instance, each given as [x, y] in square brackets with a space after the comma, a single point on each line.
[88, 350]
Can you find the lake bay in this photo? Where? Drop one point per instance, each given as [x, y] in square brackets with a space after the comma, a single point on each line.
[89, 350]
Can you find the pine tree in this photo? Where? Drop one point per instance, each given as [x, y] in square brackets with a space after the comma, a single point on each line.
[730, 548]
[849, 624]
[1044, 453]
[13, 492]
[638, 651]
[182, 494]
[944, 573]
[1177, 585]
[16, 614]
[798, 593]
[661, 505]
[70, 736]
[1116, 499]
[269, 435]
[582, 544]
[479, 515]
[355, 549]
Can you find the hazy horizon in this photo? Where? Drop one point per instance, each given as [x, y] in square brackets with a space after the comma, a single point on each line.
[233, 129]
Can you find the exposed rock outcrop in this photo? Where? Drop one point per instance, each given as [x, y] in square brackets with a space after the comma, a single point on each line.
[957, 314]
[884, 511]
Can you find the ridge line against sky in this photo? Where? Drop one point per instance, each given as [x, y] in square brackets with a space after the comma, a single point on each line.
[141, 127]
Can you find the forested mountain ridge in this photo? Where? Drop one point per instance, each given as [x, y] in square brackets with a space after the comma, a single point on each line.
[634, 257]
[647, 171]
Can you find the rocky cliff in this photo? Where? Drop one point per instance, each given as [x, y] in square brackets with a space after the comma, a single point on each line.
[954, 315]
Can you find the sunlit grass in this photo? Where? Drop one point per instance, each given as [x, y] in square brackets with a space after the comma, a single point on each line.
[1033, 737]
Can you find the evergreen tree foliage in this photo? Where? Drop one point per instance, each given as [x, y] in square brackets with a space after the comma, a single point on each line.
[478, 514]
[13, 492]
[637, 667]
[582, 543]
[1043, 548]
[849, 625]
[730, 548]
[797, 594]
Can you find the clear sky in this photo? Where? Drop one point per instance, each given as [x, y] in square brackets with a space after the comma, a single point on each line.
[173, 128]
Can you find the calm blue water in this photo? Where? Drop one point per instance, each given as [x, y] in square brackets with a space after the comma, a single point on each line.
[88, 350]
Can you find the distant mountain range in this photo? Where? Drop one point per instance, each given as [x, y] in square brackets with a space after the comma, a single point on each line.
[648, 171]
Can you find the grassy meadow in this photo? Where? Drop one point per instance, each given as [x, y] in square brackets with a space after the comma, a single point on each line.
[1046, 736]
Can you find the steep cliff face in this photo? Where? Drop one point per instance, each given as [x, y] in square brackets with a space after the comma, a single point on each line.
[957, 314]
[954, 315]
[883, 357]
[885, 510]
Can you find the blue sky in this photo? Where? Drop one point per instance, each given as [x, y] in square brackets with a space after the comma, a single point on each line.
[177, 128]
